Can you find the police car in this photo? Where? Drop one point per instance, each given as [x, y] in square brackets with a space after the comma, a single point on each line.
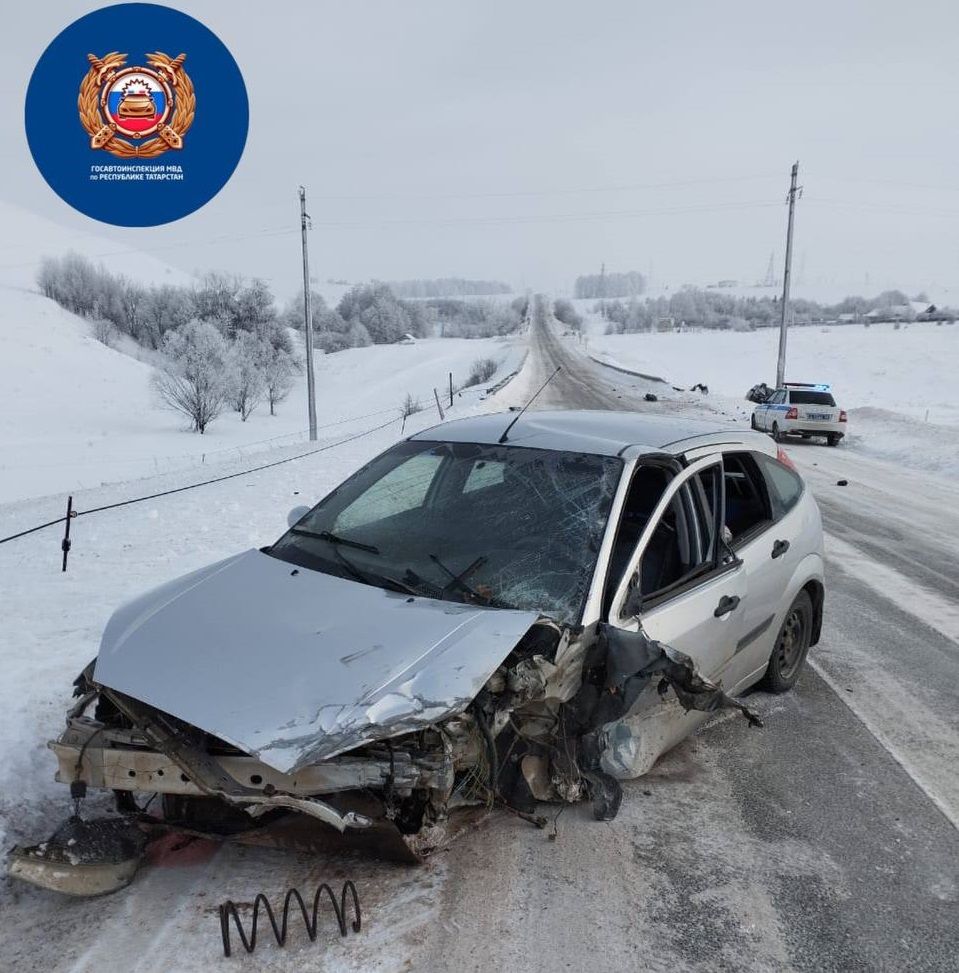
[801, 409]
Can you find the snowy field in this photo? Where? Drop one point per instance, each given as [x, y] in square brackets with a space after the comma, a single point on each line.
[899, 386]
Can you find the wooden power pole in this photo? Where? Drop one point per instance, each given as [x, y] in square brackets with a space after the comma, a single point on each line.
[308, 318]
[784, 309]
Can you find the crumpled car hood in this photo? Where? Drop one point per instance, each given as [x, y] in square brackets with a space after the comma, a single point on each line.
[294, 666]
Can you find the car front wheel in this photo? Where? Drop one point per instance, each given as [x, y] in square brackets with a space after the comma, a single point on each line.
[752, 422]
[791, 648]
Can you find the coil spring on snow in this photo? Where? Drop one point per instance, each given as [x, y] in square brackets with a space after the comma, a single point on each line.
[228, 909]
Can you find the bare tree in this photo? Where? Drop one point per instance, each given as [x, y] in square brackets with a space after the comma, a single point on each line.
[410, 405]
[481, 370]
[191, 379]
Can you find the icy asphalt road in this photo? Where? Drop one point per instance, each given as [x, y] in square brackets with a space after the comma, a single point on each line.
[823, 842]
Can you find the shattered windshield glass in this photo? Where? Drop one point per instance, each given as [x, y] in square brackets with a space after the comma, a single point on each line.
[489, 525]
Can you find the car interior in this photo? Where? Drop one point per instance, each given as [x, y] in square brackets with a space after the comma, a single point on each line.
[747, 500]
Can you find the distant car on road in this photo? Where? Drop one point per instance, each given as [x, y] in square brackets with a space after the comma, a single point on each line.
[508, 607]
[801, 409]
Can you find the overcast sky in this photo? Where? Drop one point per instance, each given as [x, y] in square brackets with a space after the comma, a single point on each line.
[532, 141]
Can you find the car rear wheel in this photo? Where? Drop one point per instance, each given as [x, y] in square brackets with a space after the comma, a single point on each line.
[833, 439]
[777, 435]
[752, 422]
[791, 648]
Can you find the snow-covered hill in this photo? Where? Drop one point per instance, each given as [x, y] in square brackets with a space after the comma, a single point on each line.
[27, 238]
[77, 414]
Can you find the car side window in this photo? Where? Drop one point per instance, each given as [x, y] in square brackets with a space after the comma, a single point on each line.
[403, 488]
[672, 551]
[645, 489]
[683, 546]
[785, 487]
[748, 507]
[707, 488]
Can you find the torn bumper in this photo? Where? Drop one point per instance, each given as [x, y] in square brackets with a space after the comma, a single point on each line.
[122, 760]
[82, 858]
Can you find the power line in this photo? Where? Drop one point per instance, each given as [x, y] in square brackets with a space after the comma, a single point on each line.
[194, 486]
[548, 218]
[583, 190]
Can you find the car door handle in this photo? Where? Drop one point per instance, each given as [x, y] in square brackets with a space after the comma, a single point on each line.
[780, 548]
[726, 604]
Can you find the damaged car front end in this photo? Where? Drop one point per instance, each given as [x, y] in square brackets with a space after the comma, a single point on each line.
[453, 627]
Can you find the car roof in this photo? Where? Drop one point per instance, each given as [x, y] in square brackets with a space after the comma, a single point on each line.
[605, 433]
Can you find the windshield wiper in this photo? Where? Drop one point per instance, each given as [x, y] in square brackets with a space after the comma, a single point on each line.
[459, 580]
[326, 535]
[364, 577]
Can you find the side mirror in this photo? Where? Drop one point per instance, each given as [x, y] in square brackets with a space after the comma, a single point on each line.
[296, 515]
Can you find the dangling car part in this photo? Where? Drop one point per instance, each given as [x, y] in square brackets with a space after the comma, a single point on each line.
[506, 609]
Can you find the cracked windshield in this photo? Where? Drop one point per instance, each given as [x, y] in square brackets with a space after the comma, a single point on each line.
[489, 525]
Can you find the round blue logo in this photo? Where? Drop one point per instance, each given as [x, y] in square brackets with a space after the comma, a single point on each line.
[136, 115]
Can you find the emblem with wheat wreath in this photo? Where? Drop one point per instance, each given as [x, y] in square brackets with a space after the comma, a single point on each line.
[103, 131]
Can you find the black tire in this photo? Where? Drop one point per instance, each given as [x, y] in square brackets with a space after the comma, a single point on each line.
[752, 422]
[791, 648]
[777, 435]
[833, 439]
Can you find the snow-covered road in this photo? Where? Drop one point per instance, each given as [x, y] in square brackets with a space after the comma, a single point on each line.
[825, 841]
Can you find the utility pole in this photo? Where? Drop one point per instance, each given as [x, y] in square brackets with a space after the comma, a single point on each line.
[308, 318]
[602, 291]
[784, 308]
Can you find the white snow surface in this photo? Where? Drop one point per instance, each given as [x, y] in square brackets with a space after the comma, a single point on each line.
[77, 414]
[898, 386]
[27, 238]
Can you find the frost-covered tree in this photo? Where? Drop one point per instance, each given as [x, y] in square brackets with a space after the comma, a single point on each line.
[565, 312]
[629, 284]
[278, 369]
[192, 378]
[214, 298]
[245, 372]
[293, 315]
[165, 308]
[254, 308]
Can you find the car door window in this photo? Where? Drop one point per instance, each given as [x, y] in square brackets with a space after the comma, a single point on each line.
[676, 546]
[646, 487]
[707, 488]
[747, 504]
[784, 486]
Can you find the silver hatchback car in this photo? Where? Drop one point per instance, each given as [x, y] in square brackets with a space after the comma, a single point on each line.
[489, 611]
